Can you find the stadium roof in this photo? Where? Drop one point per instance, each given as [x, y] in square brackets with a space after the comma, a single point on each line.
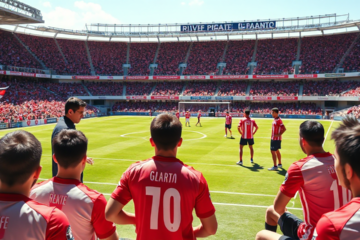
[14, 12]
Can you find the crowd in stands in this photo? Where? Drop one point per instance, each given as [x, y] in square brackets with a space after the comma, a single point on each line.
[238, 55]
[293, 108]
[76, 56]
[12, 53]
[170, 56]
[352, 61]
[141, 56]
[200, 88]
[66, 90]
[322, 54]
[331, 88]
[105, 88]
[138, 88]
[273, 88]
[108, 57]
[46, 50]
[233, 88]
[275, 56]
[204, 57]
[134, 106]
[168, 88]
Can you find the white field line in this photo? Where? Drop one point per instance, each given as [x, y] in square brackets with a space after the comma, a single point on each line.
[327, 133]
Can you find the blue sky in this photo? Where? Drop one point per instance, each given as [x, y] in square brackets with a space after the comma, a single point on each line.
[75, 14]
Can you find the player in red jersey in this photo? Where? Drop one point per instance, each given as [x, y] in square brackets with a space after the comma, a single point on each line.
[344, 223]
[164, 190]
[315, 180]
[178, 115]
[199, 116]
[247, 128]
[187, 119]
[84, 207]
[278, 130]
[20, 216]
[228, 122]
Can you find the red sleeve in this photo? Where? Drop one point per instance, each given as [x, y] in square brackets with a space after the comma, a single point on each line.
[102, 227]
[203, 205]
[293, 181]
[255, 125]
[240, 123]
[281, 123]
[58, 227]
[122, 192]
[325, 230]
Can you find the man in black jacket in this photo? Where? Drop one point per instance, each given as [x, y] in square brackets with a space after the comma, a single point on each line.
[74, 111]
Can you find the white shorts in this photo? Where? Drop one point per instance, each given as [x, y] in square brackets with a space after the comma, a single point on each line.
[187, 120]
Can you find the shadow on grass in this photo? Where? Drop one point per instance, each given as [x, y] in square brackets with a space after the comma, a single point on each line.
[230, 138]
[255, 167]
[282, 172]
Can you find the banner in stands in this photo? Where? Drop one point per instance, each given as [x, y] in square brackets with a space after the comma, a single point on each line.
[165, 77]
[16, 125]
[270, 76]
[136, 78]
[2, 72]
[135, 97]
[229, 77]
[165, 97]
[224, 98]
[305, 76]
[285, 98]
[228, 26]
[201, 98]
[259, 98]
[33, 122]
[50, 120]
[334, 75]
[86, 77]
[3, 125]
[194, 77]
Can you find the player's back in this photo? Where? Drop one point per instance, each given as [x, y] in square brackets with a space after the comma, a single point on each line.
[320, 191]
[247, 125]
[165, 192]
[23, 218]
[83, 207]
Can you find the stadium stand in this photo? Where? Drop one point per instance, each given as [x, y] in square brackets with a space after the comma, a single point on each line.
[238, 55]
[141, 55]
[144, 106]
[197, 88]
[352, 61]
[322, 54]
[108, 57]
[138, 88]
[169, 58]
[12, 53]
[105, 88]
[275, 88]
[168, 88]
[275, 56]
[204, 58]
[331, 88]
[233, 88]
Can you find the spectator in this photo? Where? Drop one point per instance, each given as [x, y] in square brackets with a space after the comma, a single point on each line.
[170, 56]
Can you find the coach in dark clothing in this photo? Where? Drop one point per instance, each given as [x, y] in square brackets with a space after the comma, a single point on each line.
[74, 111]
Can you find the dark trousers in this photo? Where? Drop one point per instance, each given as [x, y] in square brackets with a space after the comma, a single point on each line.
[55, 170]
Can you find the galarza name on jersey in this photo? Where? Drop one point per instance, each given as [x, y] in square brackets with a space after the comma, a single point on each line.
[163, 177]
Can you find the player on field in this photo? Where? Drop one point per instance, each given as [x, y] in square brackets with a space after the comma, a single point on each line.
[278, 129]
[20, 216]
[315, 180]
[228, 122]
[187, 119]
[84, 207]
[344, 223]
[164, 190]
[198, 117]
[178, 115]
[247, 128]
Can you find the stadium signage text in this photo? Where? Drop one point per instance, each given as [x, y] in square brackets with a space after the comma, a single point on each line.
[228, 26]
[165, 97]
[200, 98]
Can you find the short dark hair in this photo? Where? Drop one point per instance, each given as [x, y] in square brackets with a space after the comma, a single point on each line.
[166, 131]
[247, 111]
[69, 147]
[74, 104]
[20, 154]
[275, 110]
[312, 132]
[347, 142]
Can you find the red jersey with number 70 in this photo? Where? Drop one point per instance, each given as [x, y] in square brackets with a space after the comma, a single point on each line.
[165, 191]
[247, 127]
[277, 126]
[315, 179]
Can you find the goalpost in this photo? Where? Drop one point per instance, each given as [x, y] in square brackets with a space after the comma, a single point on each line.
[207, 106]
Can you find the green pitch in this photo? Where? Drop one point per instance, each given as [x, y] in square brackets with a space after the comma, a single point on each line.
[240, 194]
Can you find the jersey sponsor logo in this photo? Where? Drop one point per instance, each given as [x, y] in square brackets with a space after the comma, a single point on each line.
[4, 221]
[163, 177]
[56, 200]
[69, 235]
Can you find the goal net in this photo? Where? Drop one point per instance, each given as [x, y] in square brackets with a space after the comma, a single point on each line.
[207, 108]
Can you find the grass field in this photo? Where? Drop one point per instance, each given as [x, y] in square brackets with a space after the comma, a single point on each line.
[240, 194]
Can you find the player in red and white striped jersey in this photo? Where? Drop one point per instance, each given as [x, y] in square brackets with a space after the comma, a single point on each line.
[247, 128]
[177, 114]
[187, 119]
[165, 191]
[315, 179]
[20, 216]
[199, 116]
[277, 130]
[228, 122]
[84, 207]
[344, 223]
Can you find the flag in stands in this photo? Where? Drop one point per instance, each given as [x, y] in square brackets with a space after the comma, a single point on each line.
[3, 91]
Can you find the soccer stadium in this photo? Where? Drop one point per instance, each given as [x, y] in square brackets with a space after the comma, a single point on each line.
[301, 68]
